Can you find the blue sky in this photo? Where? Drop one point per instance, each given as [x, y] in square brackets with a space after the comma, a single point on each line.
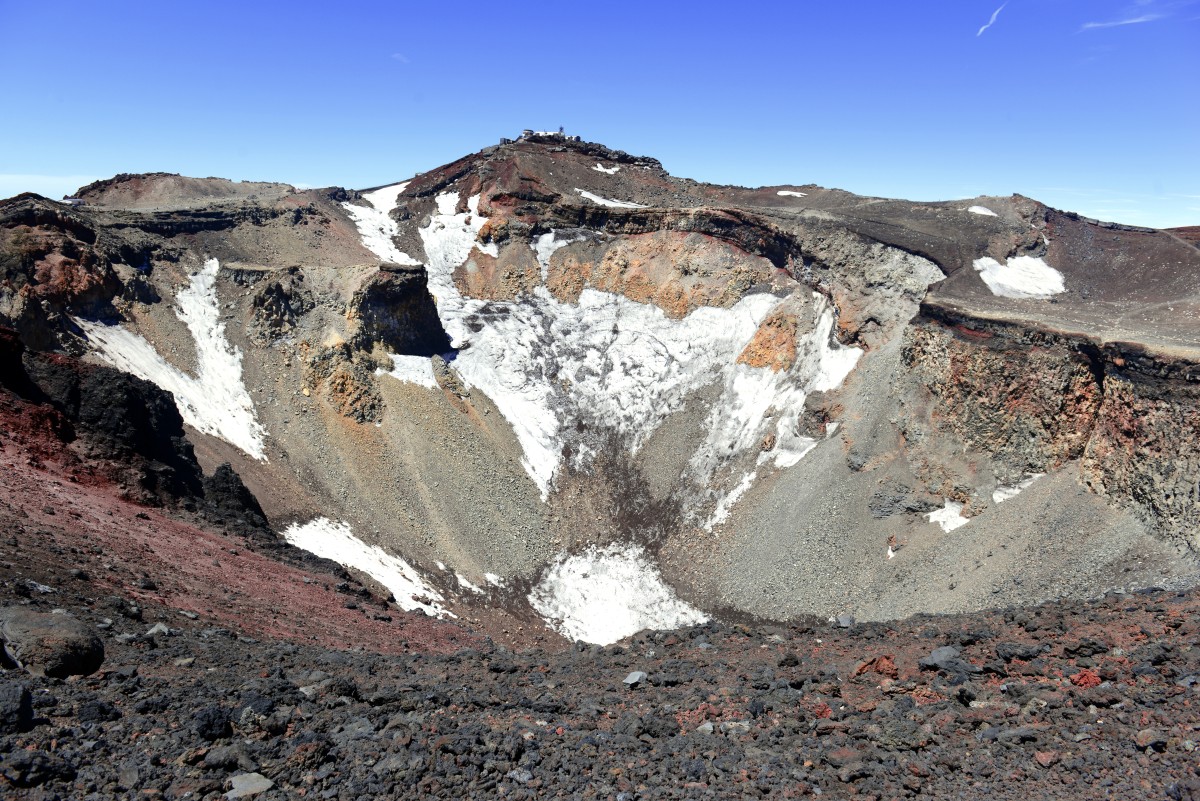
[1089, 106]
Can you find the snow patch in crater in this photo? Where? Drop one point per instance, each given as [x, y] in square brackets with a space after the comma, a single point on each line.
[790, 193]
[1007, 493]
[949, 517]
[603, 595]
[336, 541]
[607, 170]
[1021, 277]
[611, 362]
[616, 204]
[983, 210]
[375, 225]
[412, 370]
[215, 401]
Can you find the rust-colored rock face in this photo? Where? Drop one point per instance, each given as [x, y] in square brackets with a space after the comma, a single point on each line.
[1145, 448]
[774, 344]
[514, 272]
[1035, 400]
[678, 272]
[1032, 406]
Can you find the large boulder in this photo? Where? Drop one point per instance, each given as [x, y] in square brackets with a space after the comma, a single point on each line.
[50, 644]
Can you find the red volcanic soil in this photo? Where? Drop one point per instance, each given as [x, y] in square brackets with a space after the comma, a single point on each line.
[57, 517]
[1190, 233]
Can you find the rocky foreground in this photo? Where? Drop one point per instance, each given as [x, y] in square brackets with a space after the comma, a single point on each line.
[1090, 699]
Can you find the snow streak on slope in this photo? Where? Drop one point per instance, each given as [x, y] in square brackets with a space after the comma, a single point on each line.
[336, 541]
[790, 193]
[983, 210]
[545, 246]
[603, 595]
[1021, 277]
[616, 204]
[375, 225]
[215, 401]
[607, 170]
[619, 365]
[755, 395]
[1002, 493]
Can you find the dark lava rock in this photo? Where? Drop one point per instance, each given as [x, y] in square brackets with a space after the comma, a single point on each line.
[16, 709]
[48, 644]
[211, 723]
[33, 768]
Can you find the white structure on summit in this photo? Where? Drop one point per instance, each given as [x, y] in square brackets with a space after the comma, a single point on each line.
[529, 133]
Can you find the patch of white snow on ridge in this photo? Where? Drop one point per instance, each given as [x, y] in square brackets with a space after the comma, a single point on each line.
[493, 579]
[215, 401]
[1022, 277]
[1007, 493]
[983, 210]
[336, 541]
[949, 517]
[412, 370]
[790, 193]
[607, 170]
[616, 204]
[466, 584]
[376, 226]
[603, 595]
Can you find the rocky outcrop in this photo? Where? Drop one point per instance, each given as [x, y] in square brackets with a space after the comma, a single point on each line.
[1034, 400]
[55, 645]
[394, 309]
[1145, 446]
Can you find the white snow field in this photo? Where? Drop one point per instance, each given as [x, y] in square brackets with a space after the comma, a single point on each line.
[983, 210]
[215, 400]
[412, 370]
[790, 193]
[607, 170]
[547, 364]
[336, 541]
[949, 517]
[603, 595]
[1021, 277]
[603, 201]
[375, 225]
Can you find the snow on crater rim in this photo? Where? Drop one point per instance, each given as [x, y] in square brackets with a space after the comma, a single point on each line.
[376, 226]
[616, 204]
[603, 595]
[983, 210]
[215, 401]
[336, 541]
[607, 170]
[790, 193]
[1021, 277]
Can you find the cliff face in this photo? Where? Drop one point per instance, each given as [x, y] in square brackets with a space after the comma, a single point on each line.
[551, 359]
[1035, 400]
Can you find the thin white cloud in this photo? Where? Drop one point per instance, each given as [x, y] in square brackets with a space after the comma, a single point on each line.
[991, 21]
[403, 59]
[1089, 26]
